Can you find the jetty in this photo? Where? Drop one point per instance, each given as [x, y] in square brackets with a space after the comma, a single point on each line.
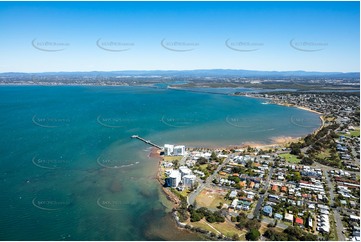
[146, 141]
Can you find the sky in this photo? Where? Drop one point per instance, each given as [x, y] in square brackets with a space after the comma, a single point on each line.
[110, 36]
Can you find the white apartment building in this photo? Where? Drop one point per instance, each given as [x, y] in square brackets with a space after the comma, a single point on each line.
[179, 150]
[188, 180]
[174, 178]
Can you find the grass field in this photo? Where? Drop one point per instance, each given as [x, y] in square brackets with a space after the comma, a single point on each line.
[210, 198]
[227, 228]
[324, 154]
[201, 224]
[290, 158]
[172, 158]
[355, 133]
[204, 166]
[329, 119]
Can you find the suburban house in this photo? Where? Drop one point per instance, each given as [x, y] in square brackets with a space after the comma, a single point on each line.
[289, 217]
[233, 194]
[278, 216]
[267, 210]
[299, 221]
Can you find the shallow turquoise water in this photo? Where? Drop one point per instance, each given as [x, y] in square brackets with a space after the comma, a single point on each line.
[70, 170]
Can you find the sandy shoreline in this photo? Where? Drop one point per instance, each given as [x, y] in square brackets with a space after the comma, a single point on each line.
[282, 104]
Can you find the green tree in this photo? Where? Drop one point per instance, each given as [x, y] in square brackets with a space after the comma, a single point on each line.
[202, 161]
[253, 224]
[297, 176]
[214, 156]
[253, 235]
[195, 216]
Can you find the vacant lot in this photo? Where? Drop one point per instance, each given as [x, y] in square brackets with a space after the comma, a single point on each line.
[172, 158]
[211, 197]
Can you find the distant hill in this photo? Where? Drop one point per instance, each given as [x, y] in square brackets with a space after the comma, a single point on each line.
[198, 73]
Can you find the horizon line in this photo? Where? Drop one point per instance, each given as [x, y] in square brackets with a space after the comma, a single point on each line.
[165, 70]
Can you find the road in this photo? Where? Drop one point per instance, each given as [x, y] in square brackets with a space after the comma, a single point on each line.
[261, 198]
[339, 226]
[280, 224]
[182, 162]
[192, 196]
[329, 168]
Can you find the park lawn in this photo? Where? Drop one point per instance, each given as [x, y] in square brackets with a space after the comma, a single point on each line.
[324, 154]
[290, 158]
[205, 199]
[204, 166]
[172, 158]
[355, 132]
[329, 119]
[201, 224]
[228, 228]
[185, 192]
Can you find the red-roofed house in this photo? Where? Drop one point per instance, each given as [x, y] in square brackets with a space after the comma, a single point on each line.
[299, 221]
[275, 188]
[284, 189]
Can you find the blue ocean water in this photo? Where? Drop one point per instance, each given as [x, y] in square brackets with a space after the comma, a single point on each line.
[70, 171]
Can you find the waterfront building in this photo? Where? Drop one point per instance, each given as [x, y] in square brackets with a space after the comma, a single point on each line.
[179, 150]
[168, 149]
[188, 180]
[173, 179]
[185, 171]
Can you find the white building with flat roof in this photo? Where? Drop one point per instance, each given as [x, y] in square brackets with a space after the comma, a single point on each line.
[168, 149]
[185, 171]
[179, 150]
[188, 180]
[174, 178]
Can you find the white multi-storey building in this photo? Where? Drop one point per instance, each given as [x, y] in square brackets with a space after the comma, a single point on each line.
[188, 180]
[185, 171]
[179, 150]
[168, 149]
[174, 178]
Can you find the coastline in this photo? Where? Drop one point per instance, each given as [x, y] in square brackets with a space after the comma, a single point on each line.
[278, 141]
[155, 154]
[294, 106]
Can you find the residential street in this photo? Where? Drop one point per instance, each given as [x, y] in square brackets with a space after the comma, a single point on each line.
[192, 196]
[261, 198]
[339, 226]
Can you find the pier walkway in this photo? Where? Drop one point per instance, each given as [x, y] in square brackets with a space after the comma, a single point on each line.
[146, 141]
